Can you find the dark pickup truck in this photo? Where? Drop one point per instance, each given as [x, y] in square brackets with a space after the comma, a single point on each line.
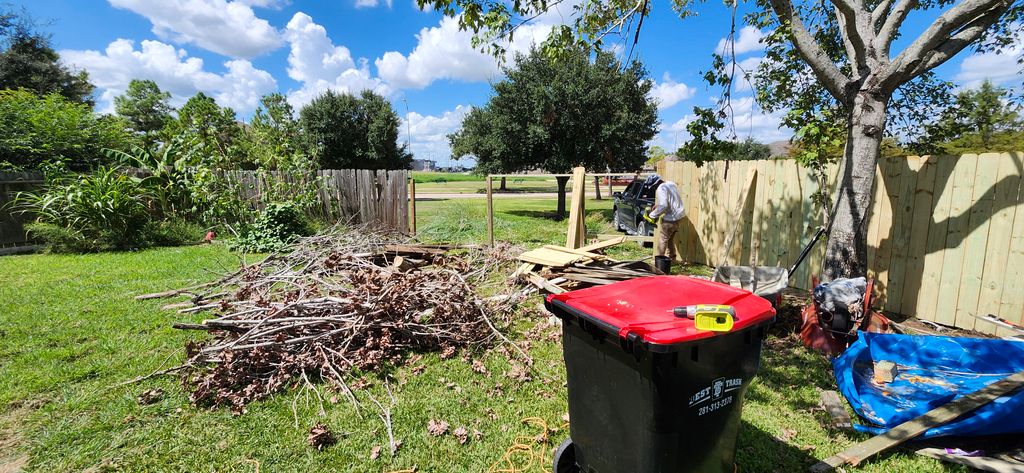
[630, 206]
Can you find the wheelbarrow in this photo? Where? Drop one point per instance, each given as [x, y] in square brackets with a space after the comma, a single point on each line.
[765, 281]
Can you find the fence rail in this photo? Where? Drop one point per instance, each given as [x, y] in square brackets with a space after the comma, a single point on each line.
[945, 234]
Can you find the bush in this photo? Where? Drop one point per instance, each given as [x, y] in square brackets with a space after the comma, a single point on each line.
[278, 225]
[173, 232]
[91, 212]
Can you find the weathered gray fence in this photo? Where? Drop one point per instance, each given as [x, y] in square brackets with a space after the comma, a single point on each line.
[349, 195]
[12, 230]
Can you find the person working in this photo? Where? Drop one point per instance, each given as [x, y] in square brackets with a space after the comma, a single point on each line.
[668, 205]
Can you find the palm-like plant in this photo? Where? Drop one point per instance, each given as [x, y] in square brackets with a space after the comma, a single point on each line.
[168, 175]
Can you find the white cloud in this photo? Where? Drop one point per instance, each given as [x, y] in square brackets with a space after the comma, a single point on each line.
[319, 65]
[748, 118]
[272, 4]
[225, 27]
[446, 52]
[430, 133]
[669, 92]
[372, 3]
[998, 68]
[112, 69]
[749, 39]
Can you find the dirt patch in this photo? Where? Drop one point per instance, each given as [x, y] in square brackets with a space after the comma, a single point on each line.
[11, 459]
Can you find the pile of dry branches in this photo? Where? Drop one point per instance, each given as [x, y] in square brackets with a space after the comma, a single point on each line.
[346, 299]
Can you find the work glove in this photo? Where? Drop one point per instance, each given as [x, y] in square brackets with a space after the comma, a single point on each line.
[647, 216]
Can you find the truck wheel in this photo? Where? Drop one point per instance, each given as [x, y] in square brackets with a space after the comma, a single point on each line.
[615, 220]
[565, 458]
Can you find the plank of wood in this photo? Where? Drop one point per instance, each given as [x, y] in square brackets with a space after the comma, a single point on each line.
[604, 244]
[1011, 303]
[589, 279]
[735, 217]
[942, 197]
[636, 238]
[576, 231]
[903, 216]
[549, 257]
[976, 240]
[979, 463]
[919, 227]
[1004, 199]
[833, 404]
[580, 252]
[912, 428]
[415, 249]
[956, 232]
[996, 320]
[540, 282]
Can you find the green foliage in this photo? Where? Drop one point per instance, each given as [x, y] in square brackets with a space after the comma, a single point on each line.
[168, 176]
[655, 154]
[981, 120]
[34, 130]
[272, 139]
[278, 225]
[555, 114]
[212, 130]
[92, 212]
[28, 61]
[173, 232]
[145, 107]
[342, 131]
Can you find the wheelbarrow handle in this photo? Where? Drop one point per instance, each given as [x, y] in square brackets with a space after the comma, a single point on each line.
[806, 251]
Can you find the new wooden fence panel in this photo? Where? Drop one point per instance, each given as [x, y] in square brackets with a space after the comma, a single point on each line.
[945, 234]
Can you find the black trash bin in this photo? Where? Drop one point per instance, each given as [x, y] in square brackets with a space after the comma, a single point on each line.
[648, 392]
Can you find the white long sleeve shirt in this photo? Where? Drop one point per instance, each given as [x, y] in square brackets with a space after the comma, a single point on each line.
[668, 202]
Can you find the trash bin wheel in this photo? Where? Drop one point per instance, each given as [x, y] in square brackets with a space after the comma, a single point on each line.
[565, 458]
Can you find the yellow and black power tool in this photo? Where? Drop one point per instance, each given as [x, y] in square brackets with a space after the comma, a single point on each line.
[711, 317]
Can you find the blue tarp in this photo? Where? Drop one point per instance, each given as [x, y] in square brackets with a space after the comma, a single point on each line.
[932, 371]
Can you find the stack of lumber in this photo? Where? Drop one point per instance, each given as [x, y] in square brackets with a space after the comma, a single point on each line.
[556, 269]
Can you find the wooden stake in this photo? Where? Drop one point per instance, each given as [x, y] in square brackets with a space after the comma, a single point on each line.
[412, 205]
[737, 217]
[912, 428]
[576, 233]
[490, 212]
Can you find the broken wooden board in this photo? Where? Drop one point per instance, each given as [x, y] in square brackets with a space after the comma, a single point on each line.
[833, 404]
[581, 252]
[576, 233]
[979, 463]
[544, 284]
[912, 428]
[604, 244]
[1001, 322]
[550, 257]
[636, 238]
[415, 249]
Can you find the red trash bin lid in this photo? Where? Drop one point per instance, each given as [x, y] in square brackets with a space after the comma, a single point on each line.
[644, 306]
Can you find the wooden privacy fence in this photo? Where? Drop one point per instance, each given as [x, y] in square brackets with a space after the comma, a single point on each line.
[350, 195]
[12, 231]
[945, 235]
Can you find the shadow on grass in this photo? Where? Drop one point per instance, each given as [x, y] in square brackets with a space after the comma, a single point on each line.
[541, 214]
[757, 450]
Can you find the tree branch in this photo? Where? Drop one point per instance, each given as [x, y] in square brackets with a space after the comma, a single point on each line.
[939, 31]
[880, 12]
[958, 42]
[855, 56]
[826, 70]
[892, 25]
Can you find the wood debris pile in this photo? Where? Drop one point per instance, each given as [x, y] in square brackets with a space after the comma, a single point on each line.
[556, 269]
[343, 300]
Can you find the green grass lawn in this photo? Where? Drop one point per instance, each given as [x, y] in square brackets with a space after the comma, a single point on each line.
[70, 331]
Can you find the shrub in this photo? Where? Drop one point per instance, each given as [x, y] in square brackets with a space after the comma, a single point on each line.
[276, 227]
[91, 212]
[173, 232]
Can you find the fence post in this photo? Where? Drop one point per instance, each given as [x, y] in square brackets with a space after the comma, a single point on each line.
[490, 212]
[412, 205]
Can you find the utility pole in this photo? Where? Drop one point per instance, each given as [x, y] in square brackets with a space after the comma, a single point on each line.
[408, 126]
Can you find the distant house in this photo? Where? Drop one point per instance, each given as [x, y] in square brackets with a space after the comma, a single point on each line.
[424, 165]
[780, 149]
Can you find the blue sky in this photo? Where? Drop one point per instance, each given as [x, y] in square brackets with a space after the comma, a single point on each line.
[238, 50]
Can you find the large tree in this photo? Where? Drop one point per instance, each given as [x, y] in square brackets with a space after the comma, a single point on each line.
[272, 137]
[210, 130]
[342, 131]
[976, 118]
[39, 131]
[145, 106]
[28, 61]
[844, 45]
[558, 113]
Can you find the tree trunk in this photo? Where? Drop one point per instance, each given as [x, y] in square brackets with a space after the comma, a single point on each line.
[562, 181]
[502, 184]
[597, 188]
[847, 251]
